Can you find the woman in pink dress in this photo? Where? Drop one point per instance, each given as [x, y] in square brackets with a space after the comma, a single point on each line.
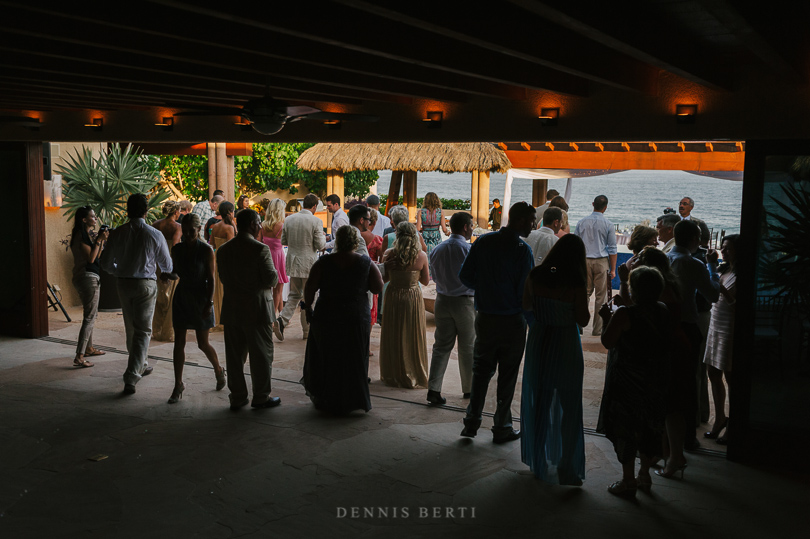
[271, 235]
[373, 244]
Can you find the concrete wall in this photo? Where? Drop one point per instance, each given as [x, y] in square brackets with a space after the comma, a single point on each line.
[57, 229]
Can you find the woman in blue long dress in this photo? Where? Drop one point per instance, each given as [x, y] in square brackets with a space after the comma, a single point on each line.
[551, 402]
[336, 361]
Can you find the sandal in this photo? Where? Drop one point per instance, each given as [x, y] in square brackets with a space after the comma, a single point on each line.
[94, 352]
[620, 488]
[81, 362]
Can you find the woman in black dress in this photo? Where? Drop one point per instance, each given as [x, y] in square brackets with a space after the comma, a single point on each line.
[633, 406]
[193, 304]
[336, 364]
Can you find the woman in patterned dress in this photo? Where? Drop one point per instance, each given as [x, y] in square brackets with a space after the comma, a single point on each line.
[721, 337]
[429, 220]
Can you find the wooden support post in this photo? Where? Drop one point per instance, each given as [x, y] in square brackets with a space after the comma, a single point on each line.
[539, 188]
[334, 186]
[232, 177]
[409, 194]
[393, 190]
[474, 196]
[23, 288]
[222, 171]
[212, 170]
[483, 198]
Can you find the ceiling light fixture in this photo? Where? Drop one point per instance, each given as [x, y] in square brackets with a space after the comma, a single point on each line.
[548, 117]
[167, 124]
[97, 124]
[333, 124]
[433, 118]
[685, 114]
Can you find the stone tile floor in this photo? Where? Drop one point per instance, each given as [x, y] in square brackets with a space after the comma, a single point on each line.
[196, 469]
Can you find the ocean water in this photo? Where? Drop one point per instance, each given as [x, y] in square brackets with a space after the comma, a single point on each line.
[633, 195]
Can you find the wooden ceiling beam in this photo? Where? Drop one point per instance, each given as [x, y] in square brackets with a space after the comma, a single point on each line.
[139, 49]
[379, 37]
[665, 47]
[706, 161]
[471, 23]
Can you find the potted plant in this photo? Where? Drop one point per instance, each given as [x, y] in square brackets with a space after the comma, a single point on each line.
[104, 183]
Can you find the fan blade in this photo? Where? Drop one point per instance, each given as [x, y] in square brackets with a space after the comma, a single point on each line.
[300, 110]
[213, 112]
[342, 116]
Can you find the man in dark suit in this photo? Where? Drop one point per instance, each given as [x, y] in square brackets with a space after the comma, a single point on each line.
[248, 276]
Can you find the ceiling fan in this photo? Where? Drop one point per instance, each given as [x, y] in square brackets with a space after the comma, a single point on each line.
[22, 121]
[268, 116]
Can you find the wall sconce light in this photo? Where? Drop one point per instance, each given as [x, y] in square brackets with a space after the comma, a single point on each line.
[243, 124]
[333, 124]
[97, 124]
[548, 117]
[685, 114]
[433, 119]
[167, 124]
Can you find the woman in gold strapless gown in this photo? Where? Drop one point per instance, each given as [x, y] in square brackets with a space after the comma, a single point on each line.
[403, 342]
[221, 232]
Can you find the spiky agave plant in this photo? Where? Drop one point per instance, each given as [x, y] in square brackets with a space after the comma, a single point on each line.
[785, 262]
[105, 182]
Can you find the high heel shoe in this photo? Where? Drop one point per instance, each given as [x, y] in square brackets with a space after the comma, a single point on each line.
[671, 474]
[620, 488]
[220, 378]
[177, 394]
[716, 430]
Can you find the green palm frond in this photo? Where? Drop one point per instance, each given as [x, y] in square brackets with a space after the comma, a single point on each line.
[785, 261]
[105, 182]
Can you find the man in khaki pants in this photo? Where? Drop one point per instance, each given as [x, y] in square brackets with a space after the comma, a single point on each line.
[599, 236]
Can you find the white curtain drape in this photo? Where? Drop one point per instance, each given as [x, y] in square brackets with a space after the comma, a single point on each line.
[532, 174]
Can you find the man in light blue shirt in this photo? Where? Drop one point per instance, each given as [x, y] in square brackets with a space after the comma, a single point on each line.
[496, 268]
[599, 236]
[454, 311]
[134, 252]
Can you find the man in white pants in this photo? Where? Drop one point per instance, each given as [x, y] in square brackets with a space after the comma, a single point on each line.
[134, 251]
[454, 310]
[303, 236]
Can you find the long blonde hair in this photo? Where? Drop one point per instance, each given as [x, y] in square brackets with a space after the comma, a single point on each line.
[432, 201]
[274, 215]
[406, 247]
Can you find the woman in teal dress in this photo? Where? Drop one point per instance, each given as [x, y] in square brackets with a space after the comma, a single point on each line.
[429, 220]
[551, 402]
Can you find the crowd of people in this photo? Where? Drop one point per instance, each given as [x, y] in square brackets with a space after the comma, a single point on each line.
[219, 265]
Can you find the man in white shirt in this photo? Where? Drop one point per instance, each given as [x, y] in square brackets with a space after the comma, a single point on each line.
[665, 225]
[339, 218]
[383, 222]
[542, 240]
[599, 236]
[550, 194]
[134, 251]
[303, 235]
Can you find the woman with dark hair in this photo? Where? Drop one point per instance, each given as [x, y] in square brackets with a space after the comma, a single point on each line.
[720, 338]
[221, 232]
[242, 203]
[551, 403]
[193, 303]
[336, 361]
[633, 410]
[86, 279]
[558, 202]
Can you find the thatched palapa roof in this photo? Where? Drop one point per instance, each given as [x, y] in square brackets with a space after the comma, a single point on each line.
[420, 157]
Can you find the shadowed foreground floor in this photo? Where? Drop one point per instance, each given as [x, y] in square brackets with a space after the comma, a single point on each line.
[197, 469]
